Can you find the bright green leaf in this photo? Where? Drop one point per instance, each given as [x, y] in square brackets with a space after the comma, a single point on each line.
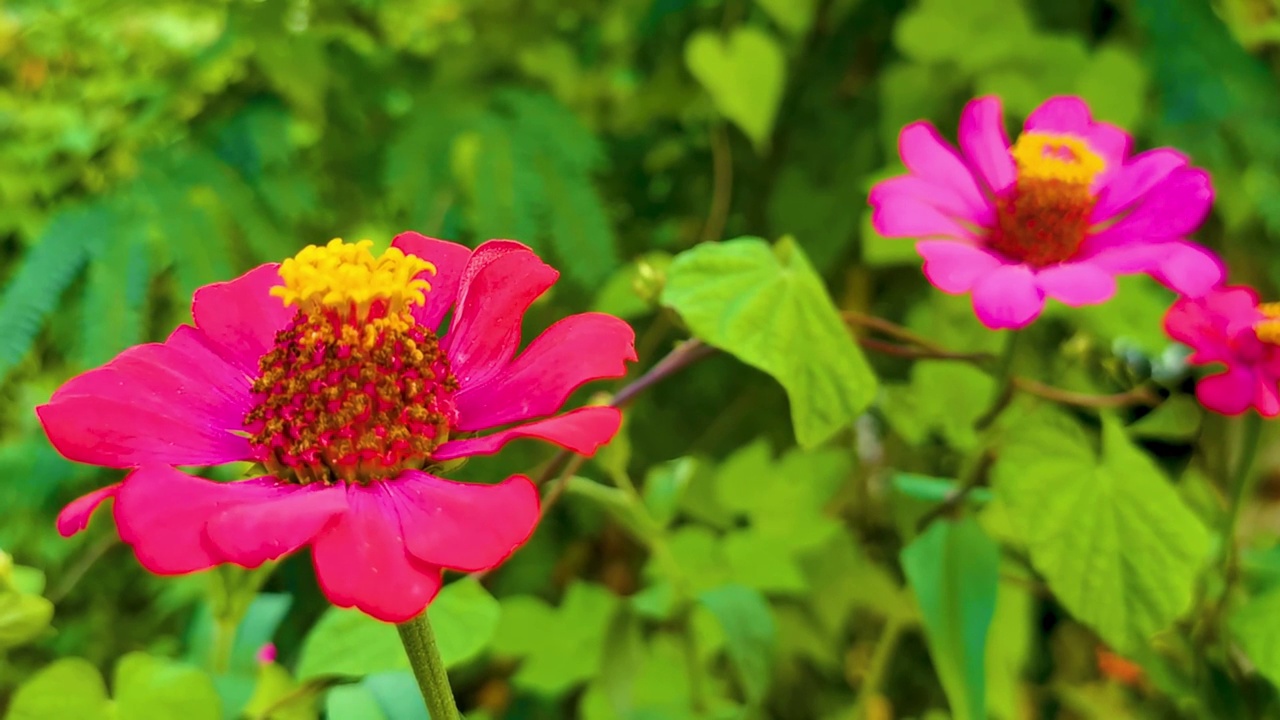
[759, 562]
[352, 702]
[943, 397]
[559, 647]
[744, 74]
[1114, 83]
[934, 490]
[148, 686]
[464, 617]
[68, 689]
[665, 485]
[22, 618]
[954, 569]
[1175, 419]
[1114, 540]
[750, 635]
[767, 307]
[794, 16]
[1256, 626]
[347, 642]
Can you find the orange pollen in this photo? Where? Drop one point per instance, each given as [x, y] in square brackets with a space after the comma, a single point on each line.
[1044, 218]
[355, 389]
[1268, 330]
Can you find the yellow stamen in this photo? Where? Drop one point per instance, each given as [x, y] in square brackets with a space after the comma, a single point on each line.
[342, 275]
[1268, 330]
[1046, 156]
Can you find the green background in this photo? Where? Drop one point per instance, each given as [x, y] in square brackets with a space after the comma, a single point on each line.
[749, 545]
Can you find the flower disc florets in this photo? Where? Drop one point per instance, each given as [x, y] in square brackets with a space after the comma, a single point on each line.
[355, 388]
[1043, 219]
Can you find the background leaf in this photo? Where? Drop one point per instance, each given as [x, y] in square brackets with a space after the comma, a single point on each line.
[763, 305]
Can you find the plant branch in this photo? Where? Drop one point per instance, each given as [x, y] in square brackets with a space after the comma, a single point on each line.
[721, 184]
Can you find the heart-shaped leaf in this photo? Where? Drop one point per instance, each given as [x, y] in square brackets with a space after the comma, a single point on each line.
[744, 75]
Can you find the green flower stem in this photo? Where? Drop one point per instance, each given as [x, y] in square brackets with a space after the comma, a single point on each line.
[1005, 385]
[428, 667]
[1240, 486]
[879, 667]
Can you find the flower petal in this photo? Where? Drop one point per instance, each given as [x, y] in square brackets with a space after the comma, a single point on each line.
[1207, 324]
[252, 533]
[1171, 208]
[500, 281]
[75, 516]
[464, 526]
[241, 317]
[1266, 398]
[1077, 284]
[898, 214]
[450, 260]
[361, 560]
[954, 267]
[1189, 269]
[930, 158]
[1069, 115]
[907, 189]
[161, 512]
[1007, 297]
[582, 431]
[1136, 178]
[572, 352]
[176, 403]
[1229, 393]
[986, 143]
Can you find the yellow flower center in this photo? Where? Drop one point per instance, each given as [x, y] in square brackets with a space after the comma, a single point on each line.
[1044, 218]
[341, 275]
[1268, 330]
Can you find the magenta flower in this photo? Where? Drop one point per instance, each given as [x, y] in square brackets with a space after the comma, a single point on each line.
[1058, 214]
[333, 373]
[1230, 327]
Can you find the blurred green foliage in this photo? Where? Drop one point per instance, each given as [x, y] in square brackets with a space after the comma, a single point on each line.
[749, 546]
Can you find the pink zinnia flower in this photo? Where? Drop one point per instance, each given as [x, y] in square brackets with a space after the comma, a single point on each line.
[1058, 214]
[332, 372]
[1230, 327]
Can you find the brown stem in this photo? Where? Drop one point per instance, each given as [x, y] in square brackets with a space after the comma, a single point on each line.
[721, 184]
[911, 353]
[1136, 396]
[685, 354]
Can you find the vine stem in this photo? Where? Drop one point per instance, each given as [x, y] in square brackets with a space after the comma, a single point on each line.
[1240, 484]
[428, 667]
[879, 667]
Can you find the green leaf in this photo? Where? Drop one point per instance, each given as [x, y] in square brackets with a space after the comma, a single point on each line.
[794, 16]
[1256, 626]
[664, 486]
[750, 635]
[784, 499]
[1115, 542]
[353, 702]
[347, 642]
[761, 563]
[1115, 85]
[769, 308]
[464, 617]
[559, 648]
[954, 569]
[943, 397]
[68, 689]
[398, 695]
[1175, 419]
[34, 289]
[743, 73]
[278, 696]
[23, 618]
[934, 490]
[148, 686]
